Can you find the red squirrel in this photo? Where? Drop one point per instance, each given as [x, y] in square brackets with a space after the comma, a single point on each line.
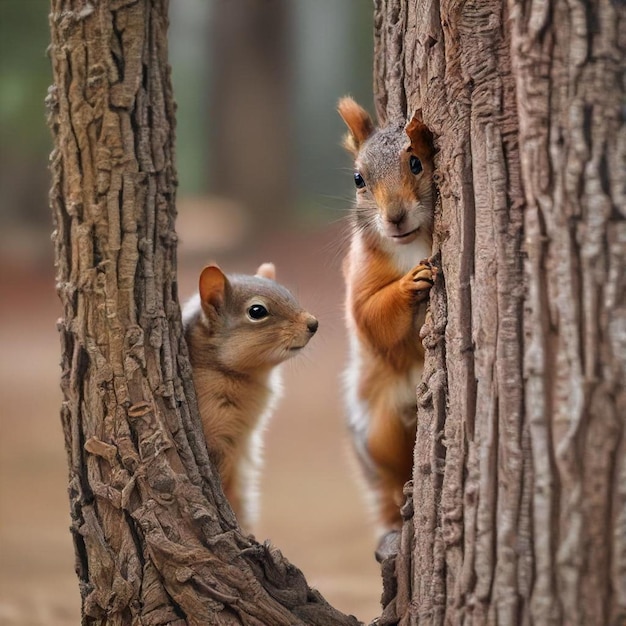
[238, 330]
[387, 284]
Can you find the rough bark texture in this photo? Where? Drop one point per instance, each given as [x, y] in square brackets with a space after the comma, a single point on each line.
[517, 512]
[569, 66]
[155, 540]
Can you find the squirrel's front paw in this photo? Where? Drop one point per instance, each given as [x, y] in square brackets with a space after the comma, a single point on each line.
[420, 279]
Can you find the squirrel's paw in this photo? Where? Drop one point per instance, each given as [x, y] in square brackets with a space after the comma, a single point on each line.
[422, 278]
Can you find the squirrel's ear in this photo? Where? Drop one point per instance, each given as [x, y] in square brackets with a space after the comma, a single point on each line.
[421, 139]
[267, 270]
[212, 285]
[359, 122]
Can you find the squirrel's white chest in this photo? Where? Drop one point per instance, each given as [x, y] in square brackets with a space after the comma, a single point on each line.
[406, 256]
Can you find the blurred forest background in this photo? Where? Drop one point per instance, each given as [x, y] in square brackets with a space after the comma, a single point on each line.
[262, 178]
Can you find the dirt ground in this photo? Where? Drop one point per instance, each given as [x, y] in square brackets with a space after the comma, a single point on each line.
[311, 506]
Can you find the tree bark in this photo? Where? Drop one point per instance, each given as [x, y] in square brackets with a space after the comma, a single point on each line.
[155, 540]
[517, 512]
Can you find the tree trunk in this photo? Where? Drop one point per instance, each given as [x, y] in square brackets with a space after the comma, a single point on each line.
[155, 540]
[252, 130]
[518, 511]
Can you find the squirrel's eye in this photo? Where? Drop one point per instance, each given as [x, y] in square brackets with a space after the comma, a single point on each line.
[257, 312]
[415, 164]
[358, 180]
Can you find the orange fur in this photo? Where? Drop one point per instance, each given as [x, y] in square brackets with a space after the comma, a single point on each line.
[384, 307]
[382, 301]
[387, 283]
[420, 139]
[358, 122]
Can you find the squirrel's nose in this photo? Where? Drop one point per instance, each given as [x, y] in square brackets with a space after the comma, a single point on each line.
[312, 325]
[396, 216]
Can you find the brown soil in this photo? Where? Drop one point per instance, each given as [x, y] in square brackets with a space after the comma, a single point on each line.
[311, 506]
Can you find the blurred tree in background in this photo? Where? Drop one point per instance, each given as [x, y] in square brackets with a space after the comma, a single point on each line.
[319, 52]
[324, 52]
[250, 98]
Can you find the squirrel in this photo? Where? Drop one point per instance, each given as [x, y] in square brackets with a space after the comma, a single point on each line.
[387, 285]
[238, 329]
